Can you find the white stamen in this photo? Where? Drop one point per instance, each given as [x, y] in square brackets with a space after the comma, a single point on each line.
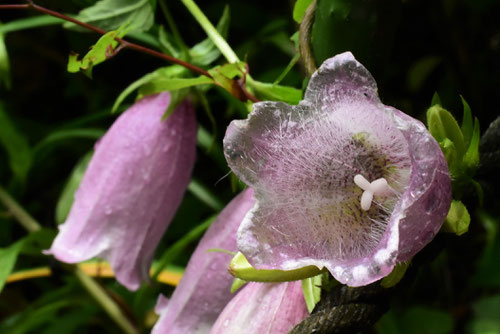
[377, 187]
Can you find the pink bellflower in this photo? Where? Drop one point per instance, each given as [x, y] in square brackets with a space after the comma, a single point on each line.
[263, 308]
[341, 180]
[131, 189]
[205, 287]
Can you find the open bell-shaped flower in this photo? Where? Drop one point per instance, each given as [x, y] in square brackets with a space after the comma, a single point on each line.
[263, 308]
[131, 189]
[205, 287]
[341, 180]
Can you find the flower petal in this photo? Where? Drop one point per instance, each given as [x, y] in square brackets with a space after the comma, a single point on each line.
[263, 308]
[205, 287]
[131, 189]
[302, 161]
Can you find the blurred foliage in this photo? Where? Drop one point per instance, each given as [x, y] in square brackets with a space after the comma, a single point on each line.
[50, 120]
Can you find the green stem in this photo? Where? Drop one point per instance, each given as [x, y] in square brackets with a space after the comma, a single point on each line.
[180, 244]
[18, 212]
[31, 225]
[102, 298]
[211, 31]
[205, 195]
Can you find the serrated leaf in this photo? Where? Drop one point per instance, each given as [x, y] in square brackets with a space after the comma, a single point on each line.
[467, 124]
[300, 9]
[16, 145]
[311, 287]
[67, 195]
[442, 124]
[268, 91]
[98, 53]
[458, 219]
[8, 257]
[206, 52]
[112, 14]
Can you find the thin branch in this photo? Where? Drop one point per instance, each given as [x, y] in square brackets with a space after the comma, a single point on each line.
[305, 39]
[125, 43]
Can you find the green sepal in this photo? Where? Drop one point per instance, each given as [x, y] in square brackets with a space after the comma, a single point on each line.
[467, 125]
[471, 157]
[100, 52]
[458, 219]
[241, 268]
[311, 287]
[237, 284]
[450, 154]
[396, 275]
[442, 124]
[435, 99]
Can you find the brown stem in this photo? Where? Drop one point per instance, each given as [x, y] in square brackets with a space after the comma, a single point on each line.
[241, 93]
[305, 39]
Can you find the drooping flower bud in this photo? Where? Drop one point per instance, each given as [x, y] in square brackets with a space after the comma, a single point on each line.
[205, 287]
[341, 180]
[263, 308]
[131, 189]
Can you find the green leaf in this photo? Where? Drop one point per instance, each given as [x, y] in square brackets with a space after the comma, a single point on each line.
[166, 43]
[450, 153]
[241, 268]
[237, 284]
[8, 257]
[442, 124]
[16, 146]
[467, 124]
[486, 320]
[224, 74]
[421, 70]
[300, 9]
[162, 72]
[206, 52]
[67, 195]
[268, 91]
[458, 219]
[112, 14]
[4, 63]
[67, 134]
[100, 52]
[435, 99]
[311, 287]
[205, 195]
[396, 275]
[161, 84]
[471, 158]
[29, 23]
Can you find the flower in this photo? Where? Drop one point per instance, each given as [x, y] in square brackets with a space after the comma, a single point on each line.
[263, 308]
[132, 187]
[341, 180]
[205, 287]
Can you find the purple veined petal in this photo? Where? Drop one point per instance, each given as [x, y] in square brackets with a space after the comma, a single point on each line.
[302, 161]
[263, 308]
[205, 287]
[131, 189]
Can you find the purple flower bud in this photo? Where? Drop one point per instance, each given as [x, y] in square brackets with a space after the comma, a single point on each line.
[263, 308]
[205, 287]
[341, 180]
[131, 189]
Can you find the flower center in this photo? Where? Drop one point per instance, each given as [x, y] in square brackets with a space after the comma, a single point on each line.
[377, 187]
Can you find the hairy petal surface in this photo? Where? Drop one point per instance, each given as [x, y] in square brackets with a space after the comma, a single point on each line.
[263, 308]
[131, 189]
[205, 287]
[302, 160]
